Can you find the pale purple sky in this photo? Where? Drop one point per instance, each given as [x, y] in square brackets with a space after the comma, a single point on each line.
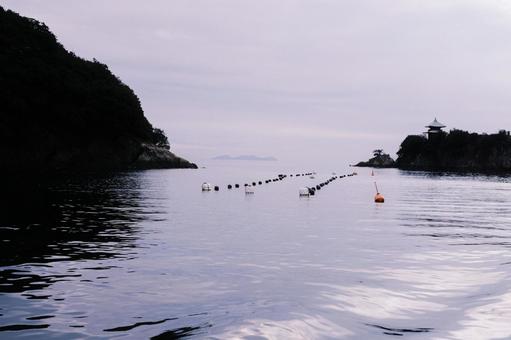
[297, 79]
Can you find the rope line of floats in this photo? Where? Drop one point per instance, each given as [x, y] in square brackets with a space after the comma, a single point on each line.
[249, 186]
[302, 192]
[311, 191]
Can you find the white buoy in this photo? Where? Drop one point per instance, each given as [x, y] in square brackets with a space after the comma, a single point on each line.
[304, 192]
[206, 186]
[249, 190]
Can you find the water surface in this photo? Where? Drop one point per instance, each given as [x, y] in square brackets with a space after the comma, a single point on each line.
[147, 254]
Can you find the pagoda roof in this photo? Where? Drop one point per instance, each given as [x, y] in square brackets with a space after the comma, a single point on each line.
[435, 124]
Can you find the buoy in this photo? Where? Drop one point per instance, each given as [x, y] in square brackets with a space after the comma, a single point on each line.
[229, 186]
[246, 185]
[249, 190]
[303, 192]
[206, 186]
[217, 188]
[260, 182]
[253, 184]
[236, 185]
[378, 198]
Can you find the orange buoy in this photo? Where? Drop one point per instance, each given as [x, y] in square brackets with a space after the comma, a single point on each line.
[379, 198]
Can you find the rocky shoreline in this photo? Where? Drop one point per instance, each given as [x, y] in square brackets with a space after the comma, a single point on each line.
[154, 157]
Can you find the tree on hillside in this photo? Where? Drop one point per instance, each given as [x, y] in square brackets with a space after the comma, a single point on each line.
[160, 138]
[378, 152]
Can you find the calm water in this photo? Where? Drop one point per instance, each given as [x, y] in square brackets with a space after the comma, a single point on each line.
[147, 254]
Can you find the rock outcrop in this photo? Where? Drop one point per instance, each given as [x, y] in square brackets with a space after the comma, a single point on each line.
[154, 157]
[380, 160]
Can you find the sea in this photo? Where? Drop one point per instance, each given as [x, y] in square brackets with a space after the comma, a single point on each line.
[149, 255]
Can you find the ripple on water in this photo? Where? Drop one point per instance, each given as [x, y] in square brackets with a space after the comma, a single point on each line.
[401, 331]
[84, 257]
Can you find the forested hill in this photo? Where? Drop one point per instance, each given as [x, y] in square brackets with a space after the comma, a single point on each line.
[61, 112]
[457, 150]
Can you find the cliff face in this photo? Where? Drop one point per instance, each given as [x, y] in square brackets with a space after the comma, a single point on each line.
[457, 150]
[61, 112]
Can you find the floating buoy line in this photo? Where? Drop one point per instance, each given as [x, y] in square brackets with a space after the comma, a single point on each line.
[302, 192]
[208, 187]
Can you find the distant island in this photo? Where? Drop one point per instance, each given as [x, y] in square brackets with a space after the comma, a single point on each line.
[380, 160]
[63, 113]
[456, 150]
[244, 158]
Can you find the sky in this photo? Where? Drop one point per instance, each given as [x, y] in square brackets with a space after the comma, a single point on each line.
[302, 80]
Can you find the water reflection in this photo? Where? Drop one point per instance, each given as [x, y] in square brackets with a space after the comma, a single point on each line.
[83, 218]
[300, 327]
[76, 221]
[183, 332]
[467, 213]
[149, 255]
[457, 175]
[18, 281]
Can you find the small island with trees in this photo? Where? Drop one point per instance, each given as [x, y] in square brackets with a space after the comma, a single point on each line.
[380, 160]
[456, 150]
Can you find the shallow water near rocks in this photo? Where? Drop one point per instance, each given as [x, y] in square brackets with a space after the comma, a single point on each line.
[148, 254]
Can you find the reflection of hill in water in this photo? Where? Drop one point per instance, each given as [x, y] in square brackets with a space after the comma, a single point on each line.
[80, 219]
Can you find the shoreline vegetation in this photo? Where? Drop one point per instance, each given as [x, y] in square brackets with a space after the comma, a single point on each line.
[456, 150]
[62, 113]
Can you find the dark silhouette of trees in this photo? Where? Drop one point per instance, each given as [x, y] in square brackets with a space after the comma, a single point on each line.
[160, 138]
[457, 150]
[58, 110]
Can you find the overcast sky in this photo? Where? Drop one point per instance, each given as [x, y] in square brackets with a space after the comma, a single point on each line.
[297, 79]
